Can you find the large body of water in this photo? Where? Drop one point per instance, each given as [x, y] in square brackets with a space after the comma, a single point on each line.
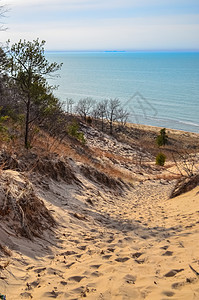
[158, 88]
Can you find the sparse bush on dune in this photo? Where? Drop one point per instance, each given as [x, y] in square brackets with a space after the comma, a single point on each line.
[162, 138]
[185, 184]
[160, 159]
[186, 163]
[74, 131]
[89, 120]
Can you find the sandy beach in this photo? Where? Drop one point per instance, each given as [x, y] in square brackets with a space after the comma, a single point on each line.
[113, 238]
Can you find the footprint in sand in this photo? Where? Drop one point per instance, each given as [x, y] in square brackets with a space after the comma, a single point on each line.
[130, 279]
[122, 259]
[110, 249]
[26, 295]
[39, 270]
[82, 247]
[66, 253]
[96, 274]
[32, 285]
[52, 271]
[168, 253]
[76, 278]
[52, 294]
[30, 268]
[140, 261]
[95, 266]
[63, 283]
[177, 285]
[173, 272]
[106, 256]
[168, 293]
[136, 254]
[164, 247]
[79, 255]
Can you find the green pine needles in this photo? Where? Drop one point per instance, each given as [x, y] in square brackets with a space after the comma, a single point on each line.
[73, 130]
[162, 138]
[160, 159]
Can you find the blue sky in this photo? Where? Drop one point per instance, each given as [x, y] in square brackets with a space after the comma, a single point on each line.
[105, 24]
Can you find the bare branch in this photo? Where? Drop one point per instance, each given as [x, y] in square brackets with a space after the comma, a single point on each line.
[3, 11]
[186, 163]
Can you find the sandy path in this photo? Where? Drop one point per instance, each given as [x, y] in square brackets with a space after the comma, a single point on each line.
[111, 246]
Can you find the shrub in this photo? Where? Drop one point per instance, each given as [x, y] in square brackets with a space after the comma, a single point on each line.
[160, 159]
[89, 120]
[3, 129]
[162, 139]
[73, 130]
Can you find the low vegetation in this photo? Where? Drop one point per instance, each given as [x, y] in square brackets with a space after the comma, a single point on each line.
[162, 138]
[160, 159]
[74, 131]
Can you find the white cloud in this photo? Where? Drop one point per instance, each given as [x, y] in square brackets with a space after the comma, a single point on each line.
[81, 28]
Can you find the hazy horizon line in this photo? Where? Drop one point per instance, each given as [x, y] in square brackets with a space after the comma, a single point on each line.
[128, 51]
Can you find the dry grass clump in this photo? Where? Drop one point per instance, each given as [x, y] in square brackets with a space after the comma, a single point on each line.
[3, 266]
[185, 185]
[8, 160]
[52, 165]
[101, 178]
[55, 167]
[5, 250]
[21, 208]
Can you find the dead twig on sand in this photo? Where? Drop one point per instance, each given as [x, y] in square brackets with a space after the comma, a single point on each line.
[196, 273]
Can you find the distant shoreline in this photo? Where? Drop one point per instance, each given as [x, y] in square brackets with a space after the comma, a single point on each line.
[156, 129]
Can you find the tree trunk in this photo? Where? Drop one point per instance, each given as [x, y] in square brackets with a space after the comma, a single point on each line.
[27, 144]
[111, 127]
[102, 122]
[111, 123]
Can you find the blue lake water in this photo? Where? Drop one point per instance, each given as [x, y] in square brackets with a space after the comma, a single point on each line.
[157, 88]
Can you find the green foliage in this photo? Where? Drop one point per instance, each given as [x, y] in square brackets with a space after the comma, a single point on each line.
[3, 129]
[160, 159]
[28, 67]
[44, 102]
[3, 61]
[73, 130]
[2, 120]
[162, 139]
[27, 61]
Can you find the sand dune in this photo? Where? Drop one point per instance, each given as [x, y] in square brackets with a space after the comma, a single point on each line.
[113, 239]
[135, 245]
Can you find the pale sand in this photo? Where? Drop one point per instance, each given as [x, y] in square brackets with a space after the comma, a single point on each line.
[138, 245]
